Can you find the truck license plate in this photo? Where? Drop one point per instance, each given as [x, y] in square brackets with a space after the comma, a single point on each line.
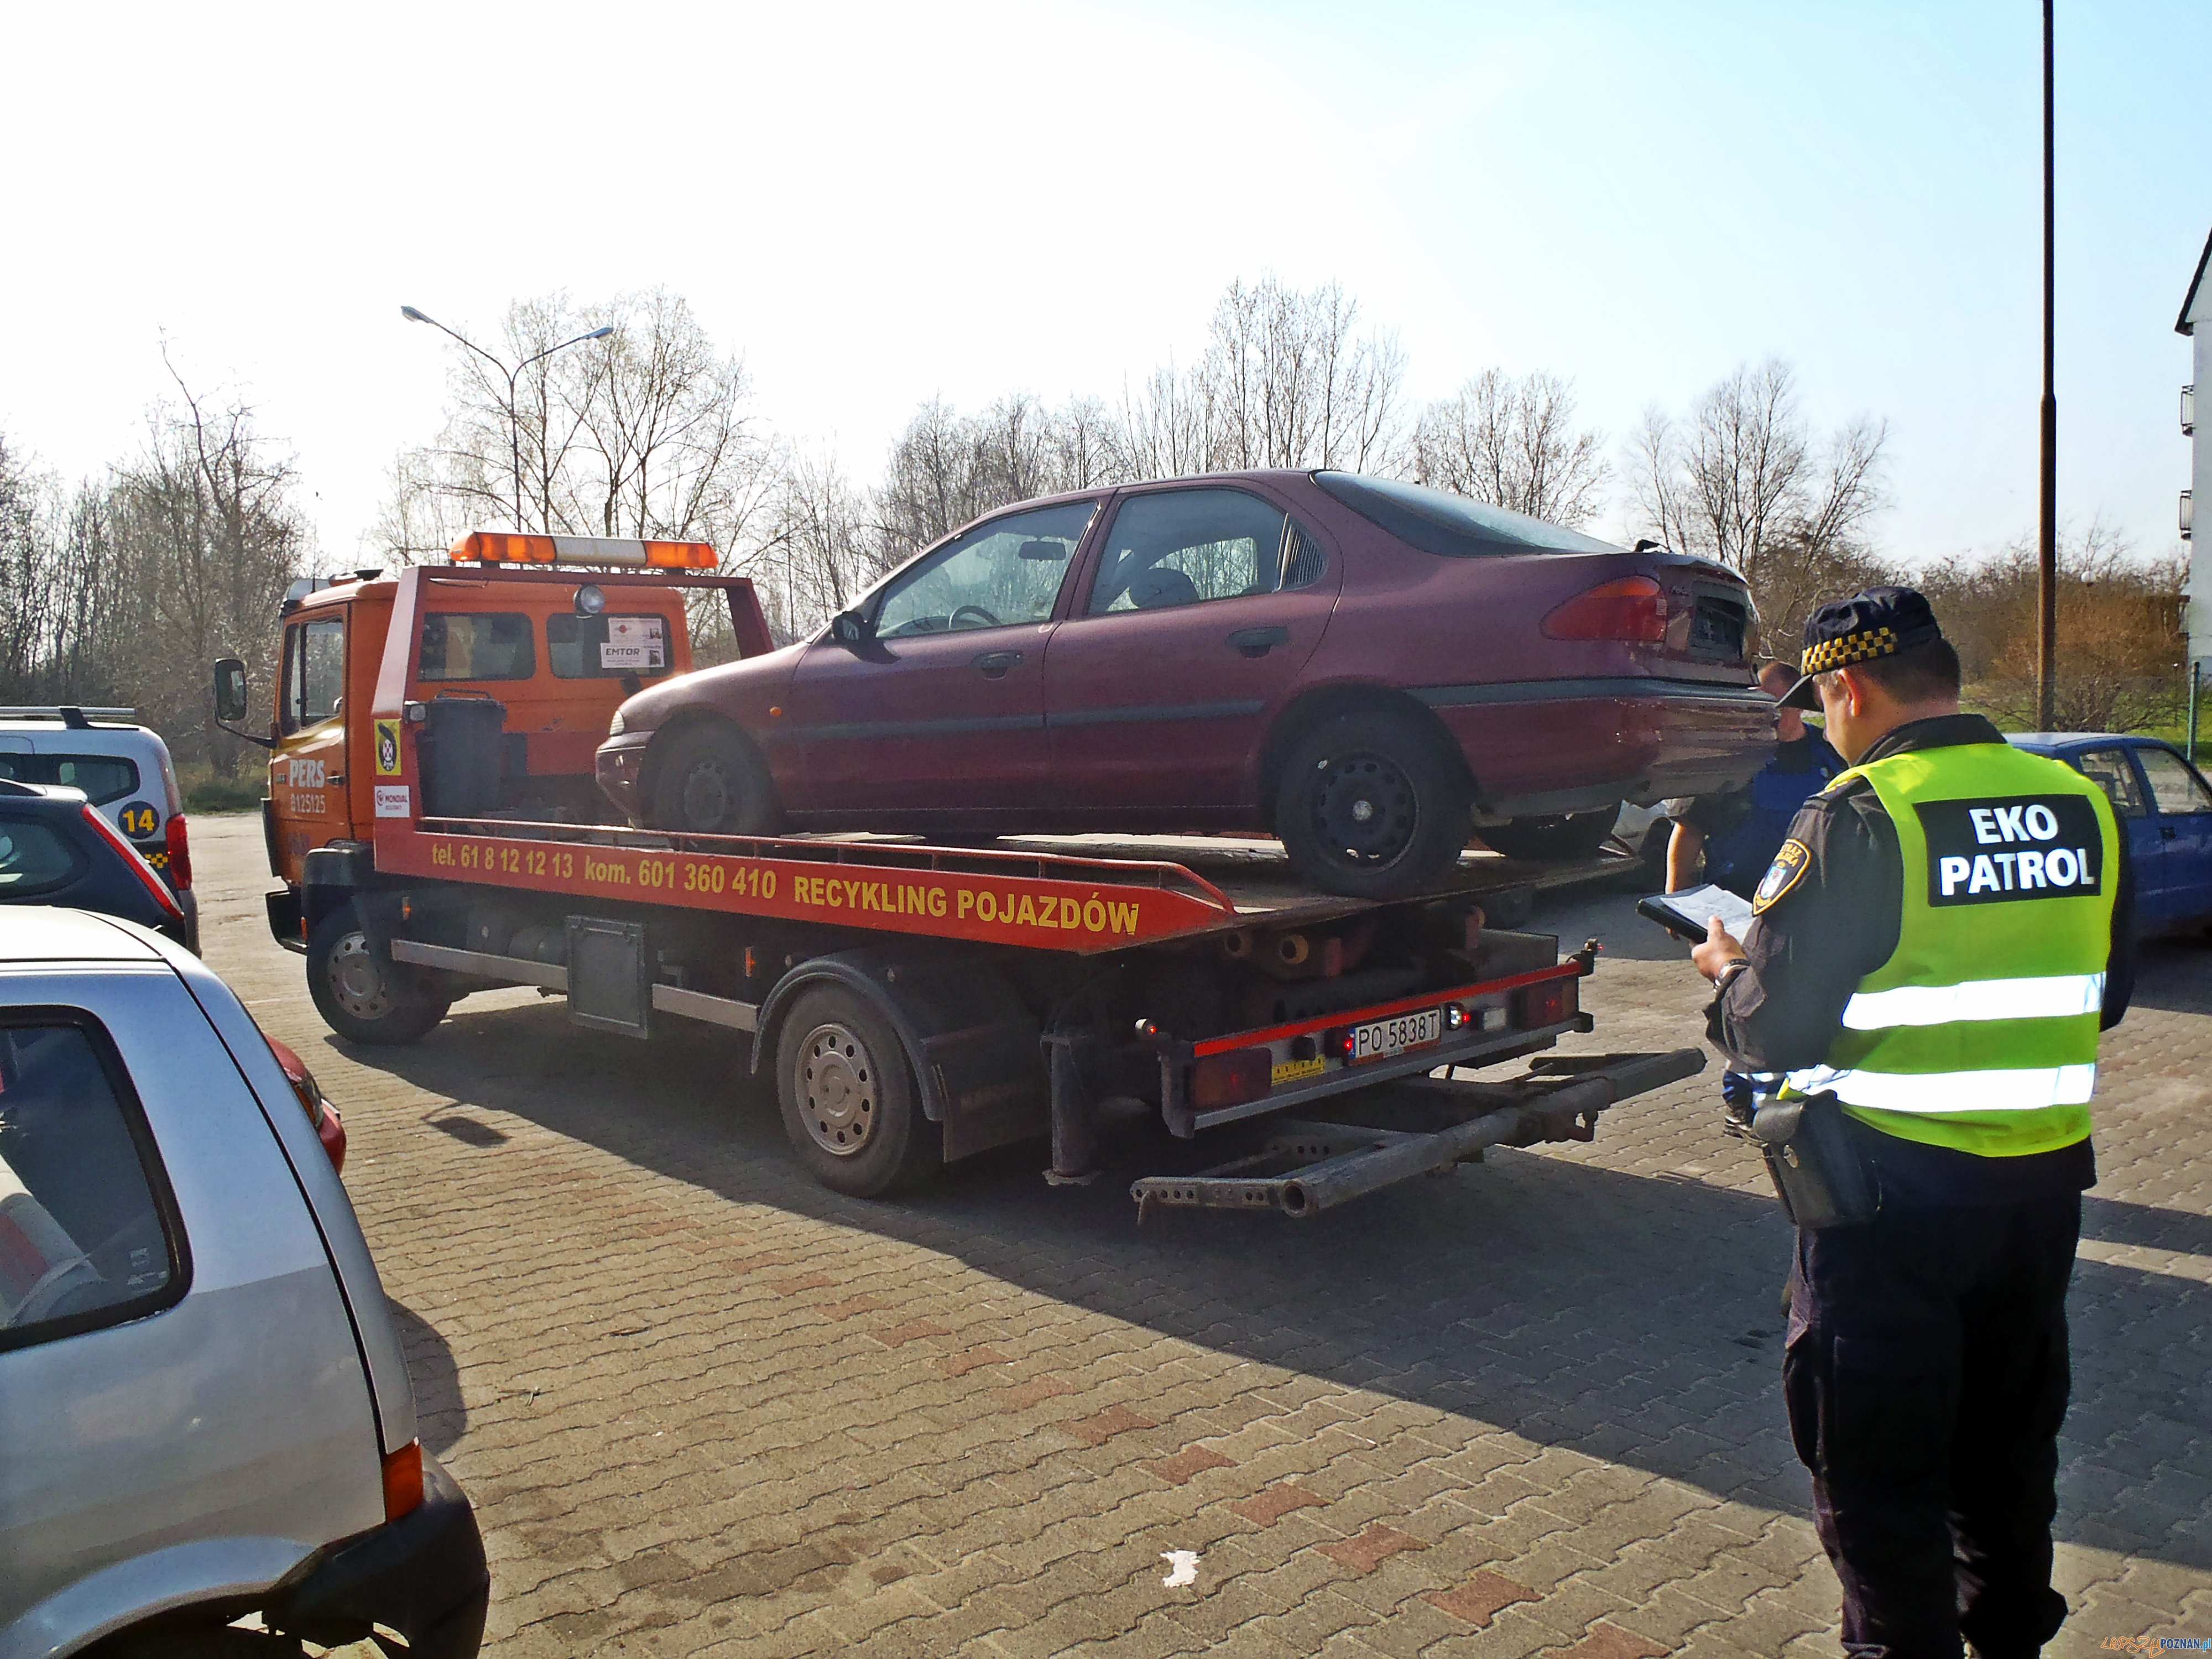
[1386, 1037]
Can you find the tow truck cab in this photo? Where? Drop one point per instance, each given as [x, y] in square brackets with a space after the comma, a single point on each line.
[559, 657]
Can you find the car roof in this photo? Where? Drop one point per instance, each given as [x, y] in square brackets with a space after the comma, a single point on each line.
[39, 932]
[95, 740]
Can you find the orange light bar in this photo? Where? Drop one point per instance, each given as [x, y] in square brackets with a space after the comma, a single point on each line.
[508, 547]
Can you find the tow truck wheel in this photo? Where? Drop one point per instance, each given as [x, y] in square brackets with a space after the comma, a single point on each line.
[848, 1097]
[1371, 808]
[361, 993]
[712, 782]
[1559, 838]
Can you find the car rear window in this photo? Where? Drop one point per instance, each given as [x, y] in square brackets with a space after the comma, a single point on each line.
[477, 645]
[103, 778]
[34, 859]
[87, 1230]
[1452, 526]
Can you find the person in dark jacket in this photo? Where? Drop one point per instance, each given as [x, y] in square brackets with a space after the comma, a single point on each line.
[1935, 947]
[1738, 831]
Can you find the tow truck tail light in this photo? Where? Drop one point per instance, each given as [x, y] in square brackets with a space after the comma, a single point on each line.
[403, 1480]
[152, 883]
[181, 854]
[1232, 1078]
[1633, 608]
[1338, 1042]
[1550, 1002]
[506, 547]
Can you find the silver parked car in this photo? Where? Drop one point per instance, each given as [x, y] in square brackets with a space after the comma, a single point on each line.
[204, 1408]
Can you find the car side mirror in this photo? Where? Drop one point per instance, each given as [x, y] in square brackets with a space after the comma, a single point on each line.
[229, 689]
[851, 629]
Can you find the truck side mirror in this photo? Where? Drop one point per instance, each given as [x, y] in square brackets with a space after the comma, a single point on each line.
[229, 689]
[851, 629]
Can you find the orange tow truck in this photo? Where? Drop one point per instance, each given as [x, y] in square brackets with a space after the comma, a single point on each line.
[434, 821]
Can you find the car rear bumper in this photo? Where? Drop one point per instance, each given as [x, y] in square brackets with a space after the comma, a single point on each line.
[423, 1575]
[619, 766]
[1573, 745]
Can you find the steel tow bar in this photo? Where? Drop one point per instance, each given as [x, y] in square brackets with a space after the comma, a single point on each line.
[1307, 1167]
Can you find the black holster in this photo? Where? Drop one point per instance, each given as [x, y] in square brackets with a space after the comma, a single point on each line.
[1818, 1173]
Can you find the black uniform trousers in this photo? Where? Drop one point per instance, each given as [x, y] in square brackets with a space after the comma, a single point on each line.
[1926, 1378]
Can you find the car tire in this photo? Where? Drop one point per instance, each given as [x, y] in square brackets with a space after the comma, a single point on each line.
[1558, 839]
[712, 781]
[1373, 806]
[849, 1098]
[361, 993]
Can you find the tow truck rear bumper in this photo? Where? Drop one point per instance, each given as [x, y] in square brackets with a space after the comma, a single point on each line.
[1416, 1127]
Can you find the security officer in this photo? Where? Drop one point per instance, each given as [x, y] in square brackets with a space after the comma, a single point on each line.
[1936, 948]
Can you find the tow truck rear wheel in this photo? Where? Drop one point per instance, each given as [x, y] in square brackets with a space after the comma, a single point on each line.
[361, 993]
[848, 1097]
[712, 782]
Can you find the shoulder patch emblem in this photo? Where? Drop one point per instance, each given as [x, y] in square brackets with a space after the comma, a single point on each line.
[1787, 869]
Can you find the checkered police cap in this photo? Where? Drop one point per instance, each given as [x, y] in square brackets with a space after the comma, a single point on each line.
[1878, 623]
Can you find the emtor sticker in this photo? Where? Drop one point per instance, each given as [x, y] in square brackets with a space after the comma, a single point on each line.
[1787, 869]
[392, 801]
[636, 644]
[387, 749]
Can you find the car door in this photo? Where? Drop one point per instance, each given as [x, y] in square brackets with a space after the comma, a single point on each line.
[180, 1392]
[1202, 605]
[306, 771]
[2181, 817]
[2113, 769]
[941, 709]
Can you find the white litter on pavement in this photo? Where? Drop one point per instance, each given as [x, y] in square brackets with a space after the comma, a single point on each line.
[1182, 1568]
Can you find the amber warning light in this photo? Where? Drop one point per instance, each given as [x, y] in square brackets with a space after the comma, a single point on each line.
[506, 547]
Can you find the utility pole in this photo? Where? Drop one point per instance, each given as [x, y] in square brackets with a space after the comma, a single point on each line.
[2046, 595]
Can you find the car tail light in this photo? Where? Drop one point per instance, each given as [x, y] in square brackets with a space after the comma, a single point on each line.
[1232, 1078]
[181, 854]
[1634, 608]
[1339, 1042]
[152, 883]
[1550, 1002]
[403, 1480]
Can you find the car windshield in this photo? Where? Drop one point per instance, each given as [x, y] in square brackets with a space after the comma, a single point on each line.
[1452, 526]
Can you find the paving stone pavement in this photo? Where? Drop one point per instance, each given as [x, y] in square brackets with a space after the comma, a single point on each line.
[704, 1406]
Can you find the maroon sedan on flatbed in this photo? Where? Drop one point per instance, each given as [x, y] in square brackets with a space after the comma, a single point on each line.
[1362, 667]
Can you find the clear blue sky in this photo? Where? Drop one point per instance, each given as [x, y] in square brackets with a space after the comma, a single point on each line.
[876, 204]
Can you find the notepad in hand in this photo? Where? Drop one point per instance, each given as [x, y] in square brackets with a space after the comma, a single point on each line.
[1684, 914]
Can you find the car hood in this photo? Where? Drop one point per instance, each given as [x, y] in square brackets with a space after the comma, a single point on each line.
[727, 685]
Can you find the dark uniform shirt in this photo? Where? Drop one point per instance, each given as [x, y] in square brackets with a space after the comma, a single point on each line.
[1840, 923]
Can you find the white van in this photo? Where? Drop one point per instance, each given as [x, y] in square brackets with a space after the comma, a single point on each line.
[123, 769]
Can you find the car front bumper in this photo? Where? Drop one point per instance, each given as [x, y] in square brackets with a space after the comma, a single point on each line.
[423, 1575]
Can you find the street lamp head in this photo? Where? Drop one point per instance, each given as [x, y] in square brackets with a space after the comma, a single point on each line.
[601, 334]
[412, 315]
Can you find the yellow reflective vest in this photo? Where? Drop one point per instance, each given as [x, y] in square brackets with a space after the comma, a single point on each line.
[1979, 1033]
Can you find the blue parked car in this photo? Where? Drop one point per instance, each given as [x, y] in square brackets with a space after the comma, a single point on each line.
[2164, 810]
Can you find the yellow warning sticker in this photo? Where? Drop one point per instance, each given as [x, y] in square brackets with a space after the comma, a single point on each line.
[1292, 1071]
[387, 749]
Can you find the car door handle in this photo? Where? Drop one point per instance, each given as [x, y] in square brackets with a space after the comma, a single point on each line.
[1259, 641]
[2165, 832]
[993, 664]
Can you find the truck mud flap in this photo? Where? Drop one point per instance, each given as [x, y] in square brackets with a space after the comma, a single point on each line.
[1415, 1126]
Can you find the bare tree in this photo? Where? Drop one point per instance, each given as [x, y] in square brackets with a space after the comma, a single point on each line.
[1743, 481]
[1513, 443]
[1285, 381]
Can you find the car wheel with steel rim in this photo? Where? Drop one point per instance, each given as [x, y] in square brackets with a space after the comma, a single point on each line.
[1371, 805]
[361, 993]
[711, 781]
[848, 1096]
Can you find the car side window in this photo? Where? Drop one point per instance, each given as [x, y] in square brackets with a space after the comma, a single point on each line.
[1188, 546]
[34, 859]
[2174, 786]
[103, 778]
[477, 645]
[89, 1234]
[1000, 573]
[314, 672]
[2108, 769]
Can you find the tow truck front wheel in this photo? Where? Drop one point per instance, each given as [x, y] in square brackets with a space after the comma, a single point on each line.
[361, 993]
[849, 1097]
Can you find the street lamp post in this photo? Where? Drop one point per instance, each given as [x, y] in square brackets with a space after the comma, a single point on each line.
[2046, 561]
[514, 419]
